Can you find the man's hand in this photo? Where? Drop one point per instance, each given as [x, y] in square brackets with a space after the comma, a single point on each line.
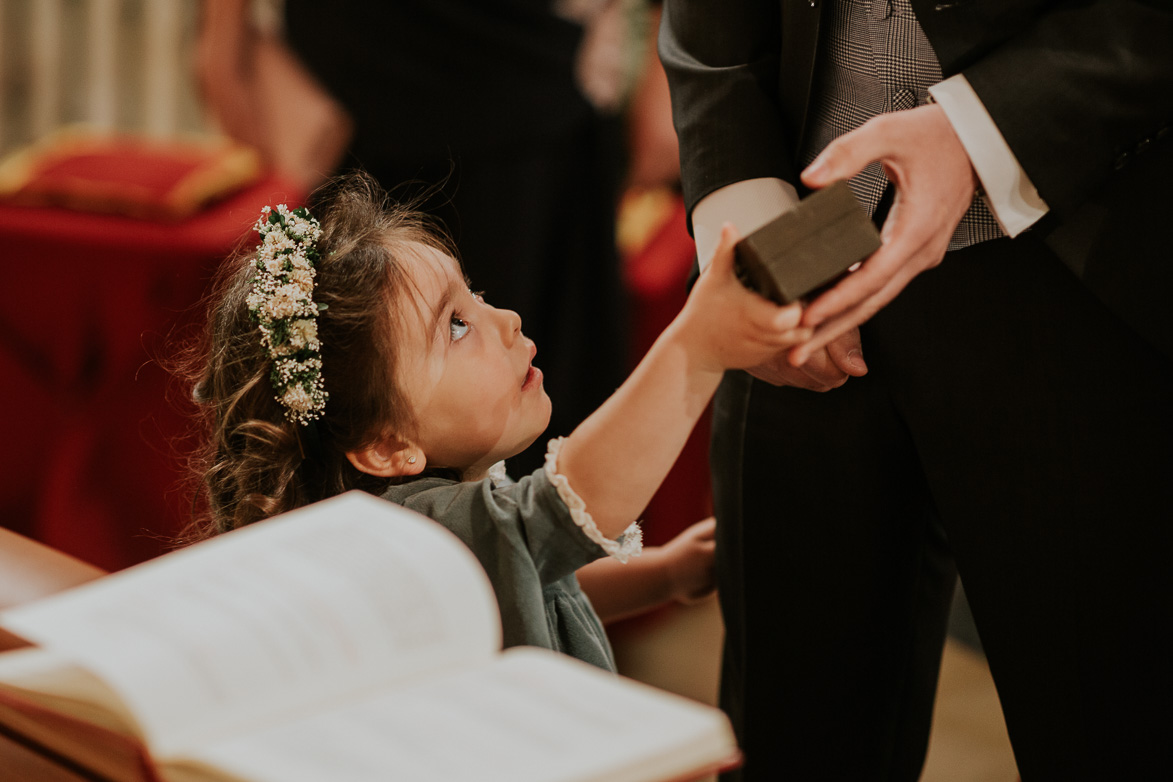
[935, 183]
[828, 367]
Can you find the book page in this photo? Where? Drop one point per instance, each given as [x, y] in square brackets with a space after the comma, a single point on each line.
[530, 716]
[58, 683]
[333, 599]
[61, 746]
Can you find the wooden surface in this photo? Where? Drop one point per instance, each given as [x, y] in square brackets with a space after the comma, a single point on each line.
[30, 570]
[19, 763]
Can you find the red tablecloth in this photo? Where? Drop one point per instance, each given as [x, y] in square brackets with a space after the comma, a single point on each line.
[92, 460]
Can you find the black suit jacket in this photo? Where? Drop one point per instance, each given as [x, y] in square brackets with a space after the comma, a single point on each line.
[1082, 90]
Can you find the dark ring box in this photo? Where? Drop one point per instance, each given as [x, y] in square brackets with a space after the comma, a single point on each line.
[807, 248]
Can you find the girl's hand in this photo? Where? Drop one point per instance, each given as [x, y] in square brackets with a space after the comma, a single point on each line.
[722, 326]
[680, 571]
[726, 326]
[688, 562]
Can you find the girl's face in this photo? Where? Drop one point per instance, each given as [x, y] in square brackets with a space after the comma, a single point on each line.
[474, 396]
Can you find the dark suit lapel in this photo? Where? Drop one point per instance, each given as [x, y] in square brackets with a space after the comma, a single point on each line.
[800, 20]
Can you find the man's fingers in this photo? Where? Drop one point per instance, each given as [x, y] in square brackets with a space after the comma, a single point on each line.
[817, 377]
[846, 352]
[835, 327]
[821, 373]
[907, 237]
[815, 348]
[861, 284]
[857, 287]
[847, 155]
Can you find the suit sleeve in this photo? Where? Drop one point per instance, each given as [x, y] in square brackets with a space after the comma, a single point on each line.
[1082, 92]
[722, 62]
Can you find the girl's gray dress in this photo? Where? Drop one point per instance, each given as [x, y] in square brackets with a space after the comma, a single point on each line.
[530, 537]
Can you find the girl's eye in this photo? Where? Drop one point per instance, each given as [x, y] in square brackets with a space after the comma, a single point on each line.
[457, 328]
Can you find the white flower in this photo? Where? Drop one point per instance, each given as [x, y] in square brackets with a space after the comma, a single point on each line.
[287, 301]
[304, 333]
[282, 293]
[297, 400]
[287, 368]
[277, 243]
[275, 265]
[304, 279]
[300, 262]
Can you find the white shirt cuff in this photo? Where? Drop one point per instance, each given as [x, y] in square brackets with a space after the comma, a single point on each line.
[748, 204]
[1008, 190]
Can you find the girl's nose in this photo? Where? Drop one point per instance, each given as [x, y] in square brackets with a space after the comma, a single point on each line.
[510, 326]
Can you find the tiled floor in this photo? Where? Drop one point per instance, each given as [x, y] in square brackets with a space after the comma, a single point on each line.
[679, 650]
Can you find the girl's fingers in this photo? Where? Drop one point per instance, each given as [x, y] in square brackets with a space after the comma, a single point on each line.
[784, 319]
[773, 325]
[702, 531]
[722, 262]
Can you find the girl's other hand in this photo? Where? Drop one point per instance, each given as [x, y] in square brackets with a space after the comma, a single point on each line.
[689, 562]
[681, 571]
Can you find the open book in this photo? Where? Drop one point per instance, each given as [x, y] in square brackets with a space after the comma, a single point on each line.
[348, 641]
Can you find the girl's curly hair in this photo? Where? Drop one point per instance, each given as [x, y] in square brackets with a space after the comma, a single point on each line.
[252, 463]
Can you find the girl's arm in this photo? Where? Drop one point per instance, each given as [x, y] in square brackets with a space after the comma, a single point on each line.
[616, 459]
[680, 571]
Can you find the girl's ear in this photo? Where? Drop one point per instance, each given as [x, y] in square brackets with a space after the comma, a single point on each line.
[388, 458]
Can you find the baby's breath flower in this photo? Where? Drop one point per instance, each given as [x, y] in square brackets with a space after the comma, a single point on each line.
[297, 400]
[303, 278]
[282, 302]
[304, 333]
[288, 301]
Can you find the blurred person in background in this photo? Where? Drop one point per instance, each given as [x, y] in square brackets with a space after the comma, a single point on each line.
[503, 111]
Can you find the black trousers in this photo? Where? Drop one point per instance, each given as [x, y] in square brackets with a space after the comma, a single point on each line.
[1009, 427]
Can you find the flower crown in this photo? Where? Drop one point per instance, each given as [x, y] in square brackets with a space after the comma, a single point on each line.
[282, 304]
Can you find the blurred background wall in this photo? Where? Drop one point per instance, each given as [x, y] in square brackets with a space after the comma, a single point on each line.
[113, 64]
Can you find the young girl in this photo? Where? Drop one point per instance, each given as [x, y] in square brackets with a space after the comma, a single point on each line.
[353, 355]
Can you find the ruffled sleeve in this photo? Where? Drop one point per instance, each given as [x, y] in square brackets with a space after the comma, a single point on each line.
[629, 544]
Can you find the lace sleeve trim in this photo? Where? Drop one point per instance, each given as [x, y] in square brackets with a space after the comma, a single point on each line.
[629, 544]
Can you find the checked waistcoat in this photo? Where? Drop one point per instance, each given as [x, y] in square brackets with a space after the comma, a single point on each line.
[874, 58]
